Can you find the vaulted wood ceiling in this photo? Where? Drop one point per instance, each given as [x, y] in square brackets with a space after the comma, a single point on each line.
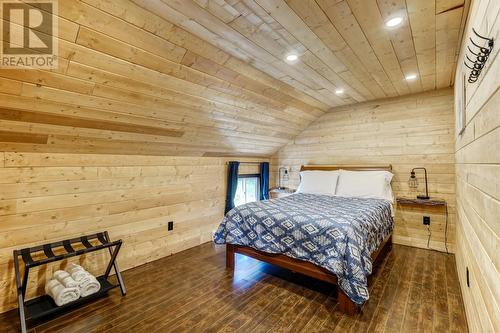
[209, 77]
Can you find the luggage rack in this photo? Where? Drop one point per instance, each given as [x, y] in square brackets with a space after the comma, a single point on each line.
[42, 307]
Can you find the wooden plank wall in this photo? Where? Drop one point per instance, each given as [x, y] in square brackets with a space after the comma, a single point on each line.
[47, 197]
[478, 181]
[407, 132]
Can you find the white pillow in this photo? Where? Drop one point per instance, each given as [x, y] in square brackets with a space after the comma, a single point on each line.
[365, 184]
[318, 182]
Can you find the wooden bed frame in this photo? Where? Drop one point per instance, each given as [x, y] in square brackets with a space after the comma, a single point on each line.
[346, 305]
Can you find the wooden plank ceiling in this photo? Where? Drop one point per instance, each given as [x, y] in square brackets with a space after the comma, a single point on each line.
[209, 77]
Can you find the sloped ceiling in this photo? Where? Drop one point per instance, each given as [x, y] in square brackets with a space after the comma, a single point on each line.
[208, 77]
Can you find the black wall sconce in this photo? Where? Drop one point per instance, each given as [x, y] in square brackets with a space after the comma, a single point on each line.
[413, 183]
[480, 54]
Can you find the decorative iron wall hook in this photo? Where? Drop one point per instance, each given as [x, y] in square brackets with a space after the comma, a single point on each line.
[472, 61]
[483, 50]
[467, 65]
[490, 40]
[481, 56]
[476, 54]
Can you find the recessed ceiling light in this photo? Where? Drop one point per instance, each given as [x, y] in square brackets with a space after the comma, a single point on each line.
[394, 22]
[292, 57]
[410, 77]
[339, 91]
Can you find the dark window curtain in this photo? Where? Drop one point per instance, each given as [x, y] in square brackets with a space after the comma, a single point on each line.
[232, 184]
[264, 181]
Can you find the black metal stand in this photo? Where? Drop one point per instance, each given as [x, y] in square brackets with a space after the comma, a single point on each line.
[41, 307]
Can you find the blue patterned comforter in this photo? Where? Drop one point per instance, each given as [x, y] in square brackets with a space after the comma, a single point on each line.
[336, 233]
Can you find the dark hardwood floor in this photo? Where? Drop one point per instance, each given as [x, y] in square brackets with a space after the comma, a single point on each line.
[412, 290]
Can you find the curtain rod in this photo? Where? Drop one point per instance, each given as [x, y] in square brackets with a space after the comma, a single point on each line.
[248, 163]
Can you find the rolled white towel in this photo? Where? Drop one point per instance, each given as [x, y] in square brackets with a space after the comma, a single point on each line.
[60, 294]
[65, 279]
[77, 272]
[89, 285]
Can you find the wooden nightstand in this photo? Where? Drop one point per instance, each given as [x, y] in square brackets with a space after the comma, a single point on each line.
[277, 193]
[420, 202]
[432, 202]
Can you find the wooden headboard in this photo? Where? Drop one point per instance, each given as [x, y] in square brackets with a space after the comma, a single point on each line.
[347, 167]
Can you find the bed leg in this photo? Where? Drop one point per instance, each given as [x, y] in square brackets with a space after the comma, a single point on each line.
[230, 256]
[346, 306]
[389, 243]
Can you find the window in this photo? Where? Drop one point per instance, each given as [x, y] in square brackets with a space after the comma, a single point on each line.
[247, 190]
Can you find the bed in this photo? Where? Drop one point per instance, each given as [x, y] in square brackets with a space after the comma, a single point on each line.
[334, 239]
